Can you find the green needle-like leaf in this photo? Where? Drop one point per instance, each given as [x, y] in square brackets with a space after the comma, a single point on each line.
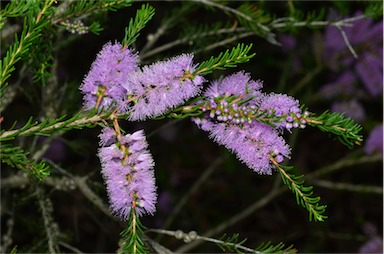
[143, 16]
[302, 193]
[238, 54]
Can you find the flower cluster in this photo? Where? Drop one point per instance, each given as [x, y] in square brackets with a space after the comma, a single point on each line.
[162, 86]
[248, 122]
[103, 85]
[115, 80]
[76, 27]
[127, 168]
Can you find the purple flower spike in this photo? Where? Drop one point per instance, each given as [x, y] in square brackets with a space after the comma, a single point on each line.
[108, 72]
[162, 86]
[253, 146]
[129, 176]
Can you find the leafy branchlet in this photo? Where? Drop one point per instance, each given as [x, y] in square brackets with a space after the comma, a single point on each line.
[237, 55]
[32, 28]
[131, 237]
[345, 129]
[142, 17]
[83, 8]
[233, 244]
[16, 157]
[304, 194]
[48, 126]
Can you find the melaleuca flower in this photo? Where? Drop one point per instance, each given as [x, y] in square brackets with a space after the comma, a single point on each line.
[104, 81]
[162, 86]
[254, 145]
[238, 99]
[127, 168]
[247, 121]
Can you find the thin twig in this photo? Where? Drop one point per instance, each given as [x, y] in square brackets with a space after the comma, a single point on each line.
[71, 248]
[179, 234]
[346, 40]
[343, 163]
[185, 40]
[46, 206]
[225, 42]
[348, 187]
[81, 121]
[88, 193]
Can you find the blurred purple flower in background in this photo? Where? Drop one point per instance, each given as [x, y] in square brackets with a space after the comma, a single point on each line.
[374, 243]
[345, 84]
[374, 142]
[352, 108]
[57, 150]
[366, 38]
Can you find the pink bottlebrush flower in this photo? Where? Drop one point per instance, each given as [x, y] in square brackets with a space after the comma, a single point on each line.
[238, 99]
[254, 145]
[162, 86]
[232, 109]
[110, 69]
[128, 174]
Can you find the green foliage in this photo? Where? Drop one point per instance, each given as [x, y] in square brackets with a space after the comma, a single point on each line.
[232, 244]
[374, 10]
[224, 60]
[31, 32]
[346, 130]
[85, 7]
[303, 193]
[298, 18]
[15, 9]
[252, 17]
[143, 16]
[95, 28]
[132, 241]
[49, 126]
[278, 248]
[17, 158]
[14, 250]
[42, 56]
